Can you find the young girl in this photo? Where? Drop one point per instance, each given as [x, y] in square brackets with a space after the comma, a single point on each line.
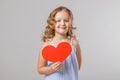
[59, 29]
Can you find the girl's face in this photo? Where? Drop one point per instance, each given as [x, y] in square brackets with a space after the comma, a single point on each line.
[62, 22]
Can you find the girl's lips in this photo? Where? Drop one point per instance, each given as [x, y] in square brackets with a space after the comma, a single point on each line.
[63, 27]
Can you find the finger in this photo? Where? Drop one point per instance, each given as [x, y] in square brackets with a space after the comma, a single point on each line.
[59, 68]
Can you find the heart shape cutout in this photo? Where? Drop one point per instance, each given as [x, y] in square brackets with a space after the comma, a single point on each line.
[59, 53]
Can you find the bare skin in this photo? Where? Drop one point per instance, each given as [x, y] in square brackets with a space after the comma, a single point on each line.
[61, 28]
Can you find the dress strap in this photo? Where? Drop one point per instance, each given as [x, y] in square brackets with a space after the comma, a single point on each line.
[53, 43]
[71, 41]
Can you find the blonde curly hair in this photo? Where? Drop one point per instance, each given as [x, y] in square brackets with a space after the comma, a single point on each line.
[49, 31]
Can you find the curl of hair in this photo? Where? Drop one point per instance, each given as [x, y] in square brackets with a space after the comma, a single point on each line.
[49, 31]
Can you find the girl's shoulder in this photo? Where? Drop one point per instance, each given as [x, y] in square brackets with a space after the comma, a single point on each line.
[46, 44]
[75, 41]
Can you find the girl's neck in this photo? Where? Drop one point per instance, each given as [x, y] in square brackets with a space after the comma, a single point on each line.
[60, 37]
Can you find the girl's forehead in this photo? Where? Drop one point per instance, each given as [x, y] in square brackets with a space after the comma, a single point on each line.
[62, 14]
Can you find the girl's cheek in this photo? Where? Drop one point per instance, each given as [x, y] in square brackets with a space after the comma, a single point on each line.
[55, 25]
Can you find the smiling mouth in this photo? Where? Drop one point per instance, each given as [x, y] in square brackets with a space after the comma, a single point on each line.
[63, 27]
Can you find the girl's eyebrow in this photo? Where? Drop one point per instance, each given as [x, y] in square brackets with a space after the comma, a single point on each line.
[64, 19]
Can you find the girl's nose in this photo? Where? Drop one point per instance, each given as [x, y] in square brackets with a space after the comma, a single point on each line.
[62, 22]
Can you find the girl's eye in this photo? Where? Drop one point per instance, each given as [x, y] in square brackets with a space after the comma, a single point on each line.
[66, 20]
[63, 20]
[57, 20]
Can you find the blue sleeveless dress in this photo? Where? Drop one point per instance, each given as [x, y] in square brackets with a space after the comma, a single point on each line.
[69, 70]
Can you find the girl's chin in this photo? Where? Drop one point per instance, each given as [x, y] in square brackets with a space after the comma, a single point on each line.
[63, 33]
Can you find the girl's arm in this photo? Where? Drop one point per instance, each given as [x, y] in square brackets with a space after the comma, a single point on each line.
[78, 52]
[43, 69]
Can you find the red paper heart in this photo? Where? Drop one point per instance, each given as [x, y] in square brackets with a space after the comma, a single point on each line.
[60, 53]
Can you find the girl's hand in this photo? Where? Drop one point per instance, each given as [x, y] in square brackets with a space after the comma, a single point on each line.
[56, 66]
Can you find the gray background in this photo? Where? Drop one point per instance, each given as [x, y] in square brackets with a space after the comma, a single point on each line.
[22, 23]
